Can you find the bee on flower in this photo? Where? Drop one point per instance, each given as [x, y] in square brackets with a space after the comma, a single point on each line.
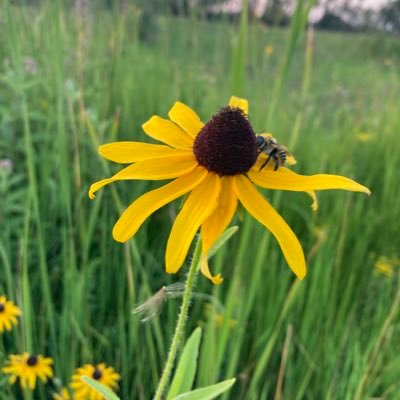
[101, 373]
[8, 314]
[27, 368]
[218, 165]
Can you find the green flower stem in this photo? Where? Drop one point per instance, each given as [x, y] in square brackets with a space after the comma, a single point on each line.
[180, 325]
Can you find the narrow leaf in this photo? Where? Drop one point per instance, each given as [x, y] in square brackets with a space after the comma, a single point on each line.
[187, 366]
[208, 392]
[221, 241]
[98, 387]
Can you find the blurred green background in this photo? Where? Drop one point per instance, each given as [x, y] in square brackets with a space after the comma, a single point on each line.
[74, 75]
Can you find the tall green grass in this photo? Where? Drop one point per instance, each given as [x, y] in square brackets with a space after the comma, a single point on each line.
[95, 79]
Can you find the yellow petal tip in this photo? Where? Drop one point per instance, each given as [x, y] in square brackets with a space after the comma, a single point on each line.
[100, 150]
[170, 268]
[217, 280]
[119, 237]
[301, 275]
[237, 102]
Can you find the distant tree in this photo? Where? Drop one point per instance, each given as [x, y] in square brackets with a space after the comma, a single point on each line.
[333, 22]
[276, 13]
[390, 16]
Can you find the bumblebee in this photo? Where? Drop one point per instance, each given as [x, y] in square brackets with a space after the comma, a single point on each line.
[275, 151]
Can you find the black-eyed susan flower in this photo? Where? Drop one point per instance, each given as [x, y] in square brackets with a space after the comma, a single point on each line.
[218, 163]
[8, 314]
[28, 368]
[101, 373]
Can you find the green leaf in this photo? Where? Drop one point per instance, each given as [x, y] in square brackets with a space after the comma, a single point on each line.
[98, 387]
[208, 392]
[222, 239]
[186, 370]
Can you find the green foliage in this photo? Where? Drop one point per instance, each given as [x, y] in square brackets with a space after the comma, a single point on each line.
[207, 393]
[98, 387]
[69, 85]
[186, 370]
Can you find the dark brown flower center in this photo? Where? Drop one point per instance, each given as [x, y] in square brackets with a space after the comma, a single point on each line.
[2, 307]
[97, 374]
[32, 360]
[226, 144]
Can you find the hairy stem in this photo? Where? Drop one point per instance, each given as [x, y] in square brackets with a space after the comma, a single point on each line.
[180, 325]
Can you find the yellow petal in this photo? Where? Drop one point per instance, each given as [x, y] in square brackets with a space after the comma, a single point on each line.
[198, 206]
[285, 179]
[167, 132]
[264, 213]
[165, 167]
[130, 152]
[205, 270]
[134, 216]
[218, 221]
[237, 102]
[32, 381]
[186, 118]
[314, 205]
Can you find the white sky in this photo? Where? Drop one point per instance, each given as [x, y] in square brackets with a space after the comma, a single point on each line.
[318, 11]
[374, 4]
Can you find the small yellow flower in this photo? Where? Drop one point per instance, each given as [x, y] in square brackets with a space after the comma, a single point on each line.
[365, 137]
[385, 266]
[101, 373]
[8, 314]
[63, 395]
[268, 50]
[219, 320]
[28, 367]
[218, 163]
[388, 62]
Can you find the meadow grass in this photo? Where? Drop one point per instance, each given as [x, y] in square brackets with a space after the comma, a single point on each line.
[70, 83]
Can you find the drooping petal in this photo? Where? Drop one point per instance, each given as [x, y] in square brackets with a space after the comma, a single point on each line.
[198, 206]
[285, 179]
[205, 270]
[263, 212]
[237, 102]
[219, 220]
[131, 152]
[186, 118]
[134, 216]
[165, 167]
[167, 132]
[314, 205]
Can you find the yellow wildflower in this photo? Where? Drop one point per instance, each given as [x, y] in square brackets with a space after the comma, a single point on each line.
[8, 314]
[218, 163]
[63, 395]
[268, 50]
[101, 373]
[27, 368]
[385, 266]
[365, 137]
